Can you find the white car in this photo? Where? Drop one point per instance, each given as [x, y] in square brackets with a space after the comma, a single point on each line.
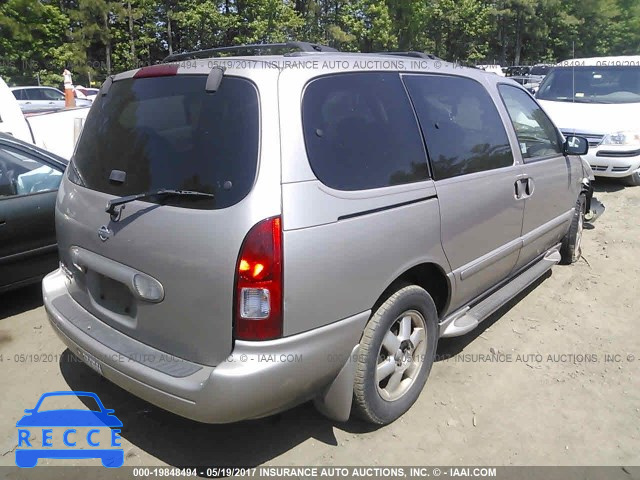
[12, 119]
[42, 99]
[599, 98]
[85, 93]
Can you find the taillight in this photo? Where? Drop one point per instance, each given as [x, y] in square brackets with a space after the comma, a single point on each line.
[258, 292]
[163, 70]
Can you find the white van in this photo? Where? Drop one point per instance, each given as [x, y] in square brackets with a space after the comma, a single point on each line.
[12, 120]
[599, 98]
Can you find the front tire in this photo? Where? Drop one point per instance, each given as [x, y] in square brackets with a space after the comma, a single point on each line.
[571, 249]
[396, 353]
[632, 180]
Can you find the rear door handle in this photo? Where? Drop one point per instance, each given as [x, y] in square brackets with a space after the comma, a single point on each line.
[521, 188]
[530, 187]
[524, 187]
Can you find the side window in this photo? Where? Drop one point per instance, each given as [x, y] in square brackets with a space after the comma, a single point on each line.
[19, 94]
[24, 175]
[51, 94]
[460, 123]
[360, 132]
[34, 94]
[537, 135]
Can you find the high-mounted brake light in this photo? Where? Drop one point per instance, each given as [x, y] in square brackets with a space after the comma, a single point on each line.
[157, 71]
[258, 290]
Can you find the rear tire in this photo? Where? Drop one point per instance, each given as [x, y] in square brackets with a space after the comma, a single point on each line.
[396, 353]
[572, 242]
[632, 180]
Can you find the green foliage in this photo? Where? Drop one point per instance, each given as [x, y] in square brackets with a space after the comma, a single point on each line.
[369, 25]
[39, 38]
[31, 37]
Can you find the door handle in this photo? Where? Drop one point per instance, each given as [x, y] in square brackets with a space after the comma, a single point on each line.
[518, 189]
[530, 187]
[524, 187]
[521, 188]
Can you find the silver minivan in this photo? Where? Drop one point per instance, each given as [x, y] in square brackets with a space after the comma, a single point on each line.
[240, 235]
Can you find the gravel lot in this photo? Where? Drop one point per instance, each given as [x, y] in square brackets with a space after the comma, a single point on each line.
[564, 391]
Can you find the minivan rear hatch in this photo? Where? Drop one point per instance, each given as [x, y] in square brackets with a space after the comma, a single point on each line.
[161, 269]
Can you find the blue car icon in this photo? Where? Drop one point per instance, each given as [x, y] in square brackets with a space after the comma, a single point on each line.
[68, 418]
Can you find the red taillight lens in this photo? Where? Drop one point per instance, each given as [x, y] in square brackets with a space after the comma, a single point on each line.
[258, 292]
[157, 71]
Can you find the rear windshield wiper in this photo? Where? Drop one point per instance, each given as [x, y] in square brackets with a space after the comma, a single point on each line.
[112, 204]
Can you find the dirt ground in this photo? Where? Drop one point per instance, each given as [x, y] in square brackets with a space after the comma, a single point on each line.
[563, 391]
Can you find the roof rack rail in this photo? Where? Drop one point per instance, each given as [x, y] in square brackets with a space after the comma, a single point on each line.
[429, 56]
[251, 50]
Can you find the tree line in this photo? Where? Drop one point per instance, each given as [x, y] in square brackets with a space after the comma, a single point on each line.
[94, 38]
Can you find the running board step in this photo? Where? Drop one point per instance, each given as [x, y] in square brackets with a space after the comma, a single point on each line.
[465, 321]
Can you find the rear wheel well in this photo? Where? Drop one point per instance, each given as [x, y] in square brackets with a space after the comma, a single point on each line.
[426, 275]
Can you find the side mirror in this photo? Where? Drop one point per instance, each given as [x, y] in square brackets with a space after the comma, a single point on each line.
[576, 146]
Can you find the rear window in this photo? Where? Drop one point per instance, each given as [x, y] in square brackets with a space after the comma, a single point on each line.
[168, 133]
[361, 133]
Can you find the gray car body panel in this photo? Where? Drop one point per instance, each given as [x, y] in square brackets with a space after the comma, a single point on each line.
[341, 251]
[239, 388]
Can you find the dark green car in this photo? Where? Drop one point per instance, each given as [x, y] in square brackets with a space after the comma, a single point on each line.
[29, 180]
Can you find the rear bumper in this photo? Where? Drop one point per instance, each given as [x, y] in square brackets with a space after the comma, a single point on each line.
[258, 378]
[613, 162]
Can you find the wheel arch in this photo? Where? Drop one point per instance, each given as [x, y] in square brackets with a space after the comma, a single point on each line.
[427, 275]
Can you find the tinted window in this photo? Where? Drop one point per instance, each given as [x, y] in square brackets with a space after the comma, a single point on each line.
[460, 123]
[361, 133]
[597, 84]
[540, 70]
[537, 135]
[51, 94]
[167, 132]
[21, 174]
[34, 94]
[19, 94]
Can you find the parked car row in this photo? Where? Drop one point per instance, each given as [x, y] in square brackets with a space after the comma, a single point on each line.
[528, 77]
[54, 130]
[43, 99]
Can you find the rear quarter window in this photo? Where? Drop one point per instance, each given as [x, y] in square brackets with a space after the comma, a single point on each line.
[168, 133]
[361, 133]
